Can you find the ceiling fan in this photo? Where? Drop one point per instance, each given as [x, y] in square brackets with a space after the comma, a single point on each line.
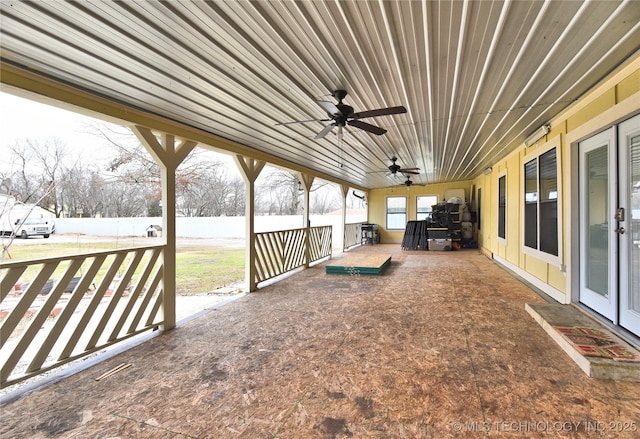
[394, 168]
[341, 115]
[409, 183]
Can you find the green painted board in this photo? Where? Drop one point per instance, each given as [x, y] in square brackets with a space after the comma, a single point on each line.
[360, 265]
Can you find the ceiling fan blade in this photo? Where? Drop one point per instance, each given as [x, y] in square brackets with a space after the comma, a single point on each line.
[367, 127]
[302, 121]
[409, 171]
[329, 107]
[326, 130]
[379, 112]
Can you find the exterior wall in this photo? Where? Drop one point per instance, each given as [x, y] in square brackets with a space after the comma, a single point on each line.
[377, 204]
[617, 98]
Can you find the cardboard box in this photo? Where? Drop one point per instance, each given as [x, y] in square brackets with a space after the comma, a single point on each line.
[439, 245]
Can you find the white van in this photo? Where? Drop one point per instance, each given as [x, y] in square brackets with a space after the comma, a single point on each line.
[25, 221]
[31, 227]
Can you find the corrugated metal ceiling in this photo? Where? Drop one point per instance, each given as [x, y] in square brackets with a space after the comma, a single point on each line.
[476, 77]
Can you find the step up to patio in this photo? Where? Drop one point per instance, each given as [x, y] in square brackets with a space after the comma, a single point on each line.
[360, 265]
[594, 348]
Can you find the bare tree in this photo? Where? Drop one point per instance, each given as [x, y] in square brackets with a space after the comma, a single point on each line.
[84, 192]
[41, 167]
[282, 193]
[325, 201]
[202, 185]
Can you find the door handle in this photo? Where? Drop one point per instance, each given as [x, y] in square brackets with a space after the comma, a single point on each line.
[620, 230]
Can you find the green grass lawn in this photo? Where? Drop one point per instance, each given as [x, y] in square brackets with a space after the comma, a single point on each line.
[201, 269]
[198, 269]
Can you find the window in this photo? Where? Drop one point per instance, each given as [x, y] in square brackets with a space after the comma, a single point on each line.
[479, 207]
[423, 206]
[502, 207]
[541, 189]
[396, 213]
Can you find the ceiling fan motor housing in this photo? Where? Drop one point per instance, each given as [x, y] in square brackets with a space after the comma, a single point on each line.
[339, 94]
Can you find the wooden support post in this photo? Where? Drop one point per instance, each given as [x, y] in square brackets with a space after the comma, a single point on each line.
[250, 170]
[168, 154]
[306, 181]
[344, 189]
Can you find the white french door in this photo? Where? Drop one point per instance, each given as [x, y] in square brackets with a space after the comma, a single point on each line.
[629, 241]
[598, 241]
[609, 173]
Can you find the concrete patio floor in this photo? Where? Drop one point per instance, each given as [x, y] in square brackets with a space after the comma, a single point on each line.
[439, 346]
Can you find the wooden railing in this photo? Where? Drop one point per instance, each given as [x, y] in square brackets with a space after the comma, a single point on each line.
[282, 251]
[75, 305]
[352, 235]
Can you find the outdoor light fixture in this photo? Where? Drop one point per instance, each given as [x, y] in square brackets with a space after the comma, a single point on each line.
[537, 135]
[487, 171]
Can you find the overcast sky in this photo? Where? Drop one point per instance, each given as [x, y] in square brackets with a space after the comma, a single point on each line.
[22, 119]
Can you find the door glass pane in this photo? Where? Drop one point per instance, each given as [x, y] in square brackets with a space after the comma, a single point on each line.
[634, 190]
[531, 204]
[597, 200]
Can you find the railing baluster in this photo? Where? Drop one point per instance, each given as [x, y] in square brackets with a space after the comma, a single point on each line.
[282, 251]
[115, 299]
[93, 305]
[9, 280]
[17, 347]
[66, 314]
[352, 235]
[155, 281]
[18, 313]
[38, 320]
[154, 311]
[133, 296]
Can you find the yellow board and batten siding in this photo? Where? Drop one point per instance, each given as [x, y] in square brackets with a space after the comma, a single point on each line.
[378, 202]
[613, 100]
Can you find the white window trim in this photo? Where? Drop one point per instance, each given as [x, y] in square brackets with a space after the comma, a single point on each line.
[502, 241]
[386, 211]
[546, 257]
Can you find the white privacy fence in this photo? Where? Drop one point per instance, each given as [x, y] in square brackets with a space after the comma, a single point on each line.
[208, 227]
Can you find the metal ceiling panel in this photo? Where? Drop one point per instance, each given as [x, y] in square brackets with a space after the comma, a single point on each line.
[475, 76]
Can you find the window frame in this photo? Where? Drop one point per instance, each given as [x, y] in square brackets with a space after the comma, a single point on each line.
[424, 196]
[386, 212]
[554, 143]
[502, 239]
[479, 208]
